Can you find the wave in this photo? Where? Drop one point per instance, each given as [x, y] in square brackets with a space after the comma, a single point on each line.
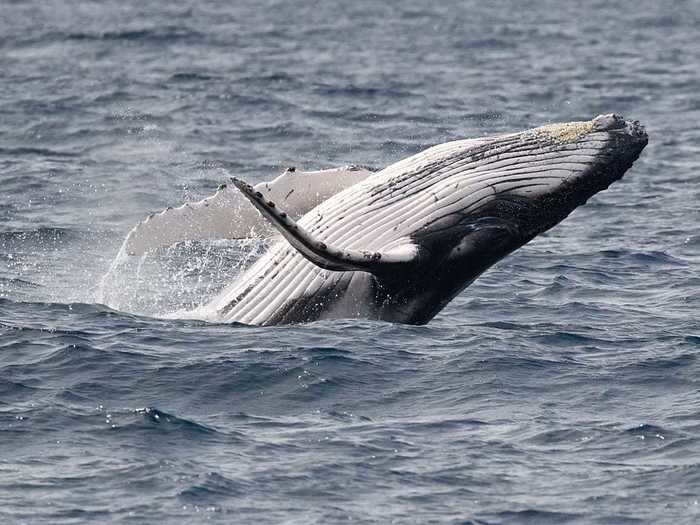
[210, 487]
[10, 238]
[42, 152]
[164, 422]
[157, 34]
[16, 282]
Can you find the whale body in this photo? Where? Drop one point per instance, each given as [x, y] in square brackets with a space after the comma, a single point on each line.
[399, 244]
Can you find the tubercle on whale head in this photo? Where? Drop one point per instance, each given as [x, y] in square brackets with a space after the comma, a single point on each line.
[614, 122]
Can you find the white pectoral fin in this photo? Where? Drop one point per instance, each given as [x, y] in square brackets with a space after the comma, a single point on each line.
[226, 215]
[300, 191]
[322, 255]
[223, 215]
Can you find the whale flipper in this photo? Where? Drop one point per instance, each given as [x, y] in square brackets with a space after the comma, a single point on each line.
[226, 215]
[322, 255]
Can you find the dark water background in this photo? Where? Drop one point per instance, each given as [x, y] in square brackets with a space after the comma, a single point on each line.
[562, 387]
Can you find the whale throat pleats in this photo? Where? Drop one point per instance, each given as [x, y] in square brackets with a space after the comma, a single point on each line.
[329, 257]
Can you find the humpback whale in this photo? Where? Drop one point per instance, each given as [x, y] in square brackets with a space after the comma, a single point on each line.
[400, 243]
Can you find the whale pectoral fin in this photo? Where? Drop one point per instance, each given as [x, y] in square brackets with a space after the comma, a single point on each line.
[225, 215]
[318, 252]
[299, 191]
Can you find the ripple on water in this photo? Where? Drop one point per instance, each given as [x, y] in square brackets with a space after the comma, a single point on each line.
[561, 387]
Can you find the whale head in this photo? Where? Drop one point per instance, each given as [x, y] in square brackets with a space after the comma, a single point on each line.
[552, 170]
[508, 190]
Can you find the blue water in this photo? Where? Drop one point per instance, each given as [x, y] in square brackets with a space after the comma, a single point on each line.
[562, 387]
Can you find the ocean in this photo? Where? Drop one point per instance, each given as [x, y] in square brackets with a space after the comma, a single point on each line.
[563, 386]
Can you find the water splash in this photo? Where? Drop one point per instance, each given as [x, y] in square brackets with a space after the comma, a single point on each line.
[175, 280]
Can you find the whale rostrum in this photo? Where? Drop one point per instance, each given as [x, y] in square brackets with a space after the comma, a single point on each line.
[399, 244]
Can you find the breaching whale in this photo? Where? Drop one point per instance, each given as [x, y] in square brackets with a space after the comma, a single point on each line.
[399, 244]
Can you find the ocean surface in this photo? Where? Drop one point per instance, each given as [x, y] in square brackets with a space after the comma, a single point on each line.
[562, 387]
